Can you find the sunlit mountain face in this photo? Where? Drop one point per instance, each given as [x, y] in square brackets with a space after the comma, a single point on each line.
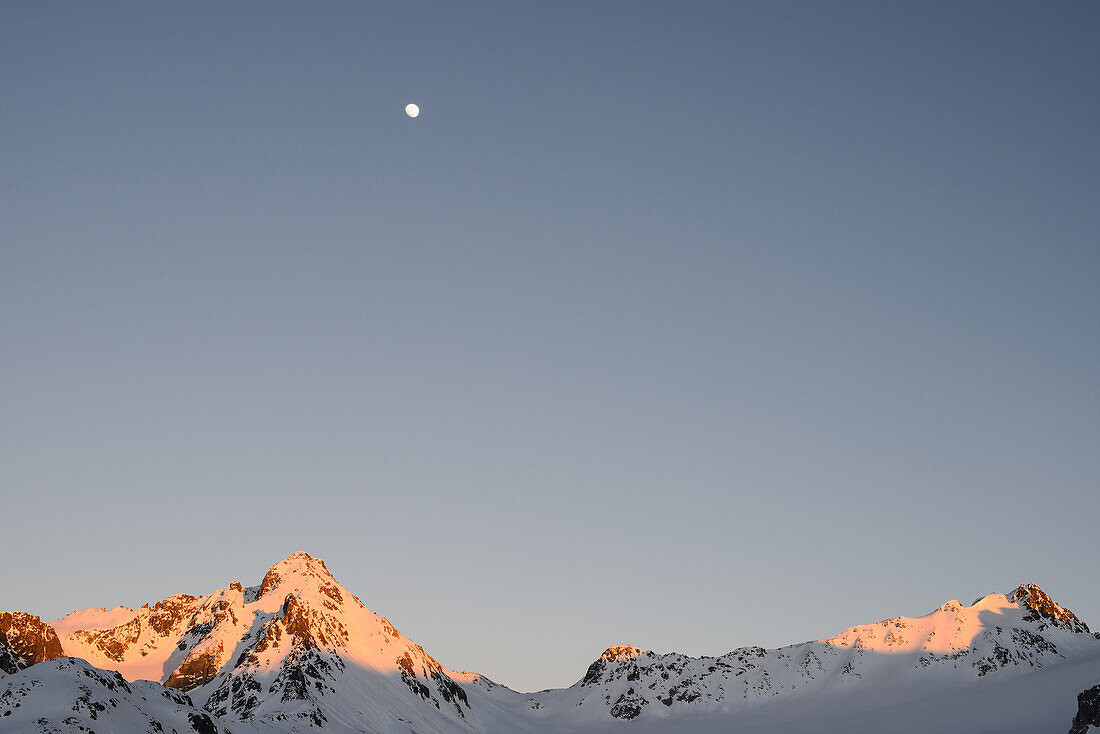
[299, 652]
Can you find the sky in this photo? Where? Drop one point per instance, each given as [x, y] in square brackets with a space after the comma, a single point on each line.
[684, 325]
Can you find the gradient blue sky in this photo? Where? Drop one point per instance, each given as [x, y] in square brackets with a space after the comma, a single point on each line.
[686, 326]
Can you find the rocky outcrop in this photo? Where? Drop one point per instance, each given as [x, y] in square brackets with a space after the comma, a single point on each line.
[9, 663]
[166, 615]
[207, 653]
[628, 706]
[1088, 711]
[313, 567]
[613, 654]
[621, 652]
[432, 673]
[1045, 609]
[196, 669]
[310, 627]
[27, 640]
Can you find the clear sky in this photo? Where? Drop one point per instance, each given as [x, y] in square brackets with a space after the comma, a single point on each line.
[691, 326]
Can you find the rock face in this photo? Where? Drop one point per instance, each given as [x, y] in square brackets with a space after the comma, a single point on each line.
[1088, 711]
[9, 663]
[26, 640]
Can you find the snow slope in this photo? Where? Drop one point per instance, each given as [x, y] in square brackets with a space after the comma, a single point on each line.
[69, 695]
[92, 619]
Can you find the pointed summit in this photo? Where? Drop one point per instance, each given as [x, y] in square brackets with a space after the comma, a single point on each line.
[300, 560]
[1042, 606]
[300, 566]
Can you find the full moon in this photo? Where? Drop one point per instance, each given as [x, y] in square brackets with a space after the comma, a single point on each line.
[412, 110]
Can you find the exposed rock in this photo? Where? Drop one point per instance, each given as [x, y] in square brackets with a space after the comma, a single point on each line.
[1045, 608]
[311, 627]
[167, 614]
[238, 694]
[613, 654]
[432, 671]
[1088, 711]
[314, 567]
[9, 663]
[628, 706]
[113, 642]
[197, 668]
[27, 639]
[202, 724]
[163, 619]
[621, 652]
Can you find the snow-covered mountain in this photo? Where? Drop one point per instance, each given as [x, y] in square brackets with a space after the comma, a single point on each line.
[905, 663]
[299, 652]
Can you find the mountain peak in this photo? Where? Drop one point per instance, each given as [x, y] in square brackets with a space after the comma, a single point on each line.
[621, 652]
[301, 559]
[299, 564]
[1031, 596]
[608, 662]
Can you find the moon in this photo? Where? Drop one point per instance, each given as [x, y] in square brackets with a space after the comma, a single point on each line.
[412, 110]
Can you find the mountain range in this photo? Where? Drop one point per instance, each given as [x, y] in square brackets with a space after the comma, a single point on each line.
[298, 652]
